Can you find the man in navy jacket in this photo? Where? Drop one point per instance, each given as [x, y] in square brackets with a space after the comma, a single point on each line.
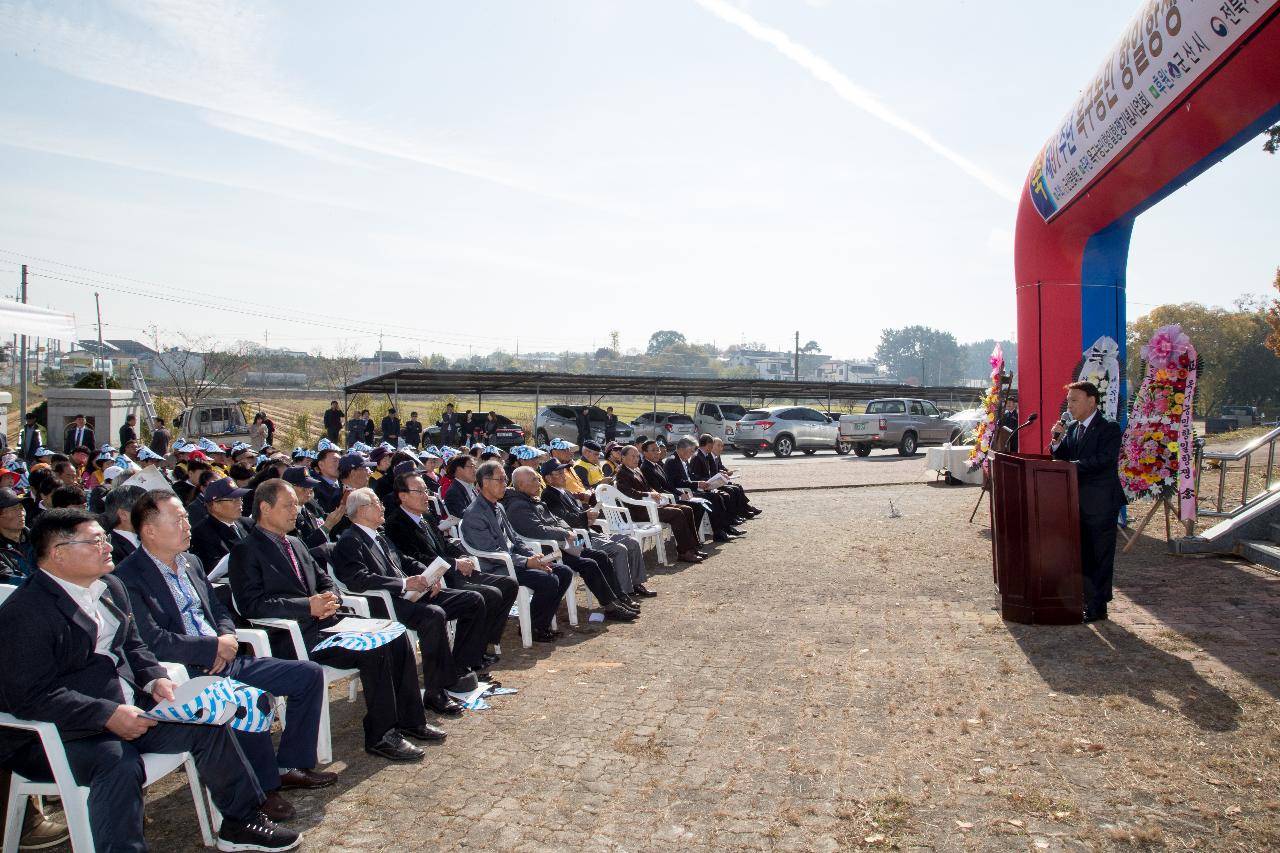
[1093, 443]
[181, 620]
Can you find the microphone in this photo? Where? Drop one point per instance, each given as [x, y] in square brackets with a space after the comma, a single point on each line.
[1031, 418]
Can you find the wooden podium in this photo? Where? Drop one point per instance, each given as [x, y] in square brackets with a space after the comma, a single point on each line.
[1035, 539]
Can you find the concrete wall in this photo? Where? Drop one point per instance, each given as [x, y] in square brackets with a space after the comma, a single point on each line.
[104, 409]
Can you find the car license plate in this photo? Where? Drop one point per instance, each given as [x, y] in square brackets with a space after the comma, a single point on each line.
[859, 426]
[729, 432]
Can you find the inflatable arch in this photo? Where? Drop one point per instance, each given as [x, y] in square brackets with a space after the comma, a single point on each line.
[1189, 82]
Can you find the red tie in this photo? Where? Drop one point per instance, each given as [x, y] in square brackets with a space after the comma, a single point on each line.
[293, 560]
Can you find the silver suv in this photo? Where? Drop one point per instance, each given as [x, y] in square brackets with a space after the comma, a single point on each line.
[666, 426]
[562, 422]
[786, 429]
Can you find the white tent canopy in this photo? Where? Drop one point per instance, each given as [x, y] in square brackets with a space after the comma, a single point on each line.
[19, 319]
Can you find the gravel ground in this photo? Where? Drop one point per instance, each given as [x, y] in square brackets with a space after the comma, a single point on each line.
[841, 679]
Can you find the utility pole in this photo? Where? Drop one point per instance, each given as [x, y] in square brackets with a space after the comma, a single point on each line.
[22, 387]
[797, 370]
[380, 368]
[102, 351]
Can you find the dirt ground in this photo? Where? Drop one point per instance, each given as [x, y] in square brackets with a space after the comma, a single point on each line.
[840, 679]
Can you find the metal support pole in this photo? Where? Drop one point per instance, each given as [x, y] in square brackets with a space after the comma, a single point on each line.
[537, 406]
[97, 304]
[22, 386]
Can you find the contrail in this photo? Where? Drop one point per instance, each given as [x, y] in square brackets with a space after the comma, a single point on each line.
[850, 91]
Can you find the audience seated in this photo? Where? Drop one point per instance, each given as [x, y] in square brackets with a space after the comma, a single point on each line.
[73, 657]
[181, 620]
[631, 482]
[485, 527]
[223, 527]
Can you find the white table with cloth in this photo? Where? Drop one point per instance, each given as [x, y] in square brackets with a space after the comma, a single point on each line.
[953, 460]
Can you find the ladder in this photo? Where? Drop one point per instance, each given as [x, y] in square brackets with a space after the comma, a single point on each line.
[141, 393]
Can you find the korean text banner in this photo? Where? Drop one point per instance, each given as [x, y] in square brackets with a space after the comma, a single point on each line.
[1166, 48]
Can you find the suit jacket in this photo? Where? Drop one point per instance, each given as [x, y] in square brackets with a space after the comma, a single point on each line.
[423, 542]
[655, 475]
[264, 585]
[532, 519]
[328, 495]
[702, 466]
[458, 498]
[49, 666]
[121, 548]
[31, 442]
[677, 478]
[69, 440]
[390, 429]
[333, 419]
[159, 621]
[211, 540]
[1096, 452]
[362, 565]
[633, 484]
[565, 507]
[486, 528]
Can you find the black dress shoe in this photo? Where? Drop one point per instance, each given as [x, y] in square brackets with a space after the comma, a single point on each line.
[426, 732]
[721, 537]
[630, 602]
[395, 748]
[545, 635]
[442, 703]
[643, 591]
[622, 614]
[1095, 616]
[487, 660]
[306, 779]
[733, 531]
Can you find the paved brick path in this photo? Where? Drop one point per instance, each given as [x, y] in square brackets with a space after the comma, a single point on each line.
[839, 680]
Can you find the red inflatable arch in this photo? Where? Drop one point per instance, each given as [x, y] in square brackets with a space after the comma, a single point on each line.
[1188, 83]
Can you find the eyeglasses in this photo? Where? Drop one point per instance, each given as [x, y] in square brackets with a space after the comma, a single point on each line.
[97, 542]
[415, 492]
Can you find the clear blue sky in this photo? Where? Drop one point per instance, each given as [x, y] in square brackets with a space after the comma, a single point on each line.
[466, 174]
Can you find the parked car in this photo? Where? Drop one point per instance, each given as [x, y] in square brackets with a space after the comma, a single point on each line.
[900, 422]
[1244, 416]
[718, 419]
[509, 434]
[562, 422]
[786, 429]
[967, 420]
[219, 419]
[667, 426]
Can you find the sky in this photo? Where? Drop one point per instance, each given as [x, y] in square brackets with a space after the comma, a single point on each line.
[531, 176]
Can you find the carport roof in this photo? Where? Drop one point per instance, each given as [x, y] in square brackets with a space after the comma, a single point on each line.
[418, 382]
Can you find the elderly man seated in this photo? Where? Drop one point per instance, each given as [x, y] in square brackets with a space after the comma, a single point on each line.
[485, 527]
[624, 551]
[532, 520]
[562, 451]
[273, 575]
[181, 620]
[365, 559]
[631, 481]
[676, 468]
[73, 657]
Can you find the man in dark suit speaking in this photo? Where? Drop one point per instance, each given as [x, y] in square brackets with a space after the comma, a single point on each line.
[1093, 443]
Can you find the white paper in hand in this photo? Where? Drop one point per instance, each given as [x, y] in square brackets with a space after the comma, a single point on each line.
[355, 624]
[717, 481]
[432, 575]
[220, 570]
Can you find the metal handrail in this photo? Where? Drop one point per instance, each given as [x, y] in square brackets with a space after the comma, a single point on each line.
[1246, 453]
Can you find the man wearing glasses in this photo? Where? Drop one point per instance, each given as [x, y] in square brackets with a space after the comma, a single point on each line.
[73, 657]
[485, 527]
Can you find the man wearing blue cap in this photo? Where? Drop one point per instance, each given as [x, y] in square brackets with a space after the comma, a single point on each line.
[213, 538]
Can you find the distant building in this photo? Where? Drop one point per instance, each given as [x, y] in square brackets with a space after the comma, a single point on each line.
[840, 370]
[385, 361]
[768, 365]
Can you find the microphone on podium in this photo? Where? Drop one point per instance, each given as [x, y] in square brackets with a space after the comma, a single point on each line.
[1031, 418]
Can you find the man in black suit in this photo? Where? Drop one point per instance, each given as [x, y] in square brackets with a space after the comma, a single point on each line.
[450, 426]
[625, 552]
[705, 464]
[79, 434]
[583, 422]
[391, 427]
[333, 418]
[223, 527]
[30, 439]
[412, 528]
[364, 559]
[129, 431]
[117, 518]
[1093, 443]
[273, 575]
[181, 620]
[73, 657]
[412, 431]
[328, 493]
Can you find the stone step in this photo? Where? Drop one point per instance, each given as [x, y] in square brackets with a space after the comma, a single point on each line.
[1263, 553]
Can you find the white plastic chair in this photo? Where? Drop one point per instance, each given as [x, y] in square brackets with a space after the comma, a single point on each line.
[524, 597]
[75, 797]
[324, 745]
[613, 506]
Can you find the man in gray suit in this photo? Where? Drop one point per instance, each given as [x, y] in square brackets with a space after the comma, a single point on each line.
[485, 527]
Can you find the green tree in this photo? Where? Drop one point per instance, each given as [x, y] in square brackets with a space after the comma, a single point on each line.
[1236, 365]
[920, 354]
[663, 340]
[93, 379]
[1273, 318]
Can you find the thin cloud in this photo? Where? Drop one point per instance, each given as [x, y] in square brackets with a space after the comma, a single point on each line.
[851, 92]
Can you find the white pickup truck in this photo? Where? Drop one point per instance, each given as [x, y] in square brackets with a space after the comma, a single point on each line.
[718, 419]
[901, 422]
